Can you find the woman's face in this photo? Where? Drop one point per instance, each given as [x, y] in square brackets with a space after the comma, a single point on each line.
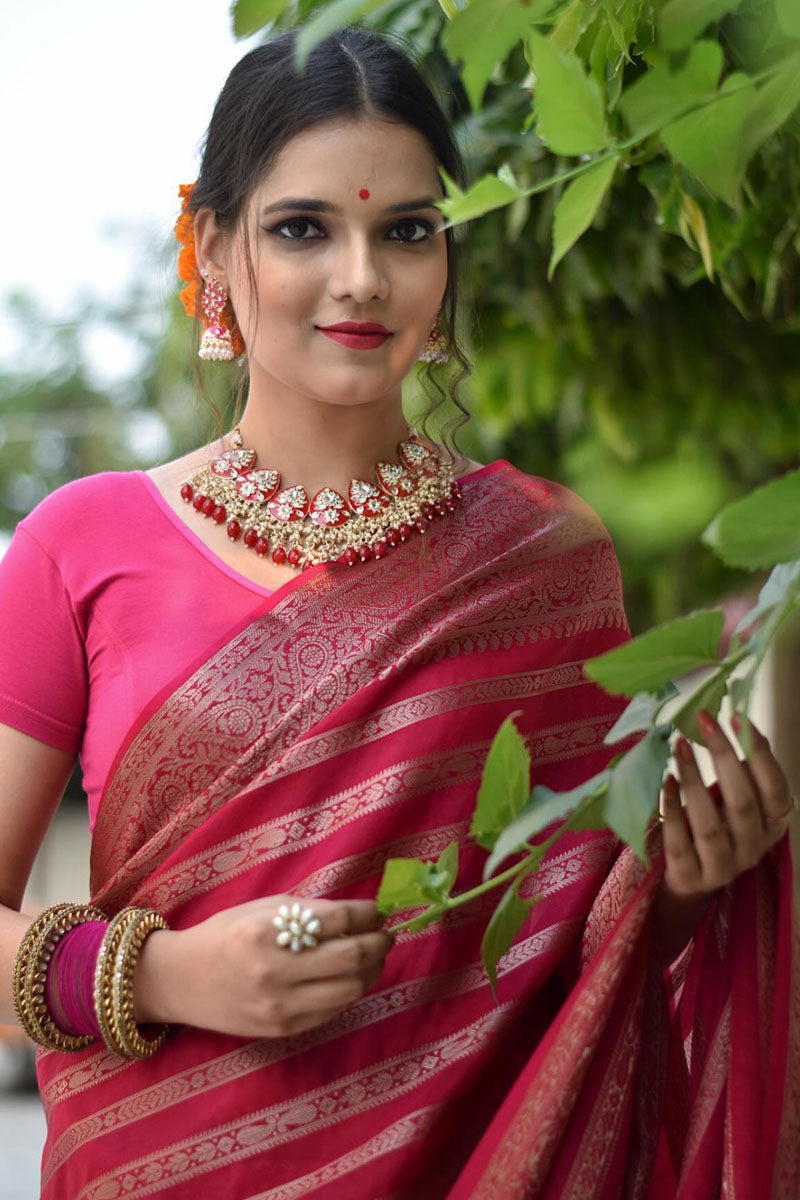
[342, 229]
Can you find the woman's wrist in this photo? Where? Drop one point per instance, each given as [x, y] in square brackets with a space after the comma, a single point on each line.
[157, 978]
[677, 918]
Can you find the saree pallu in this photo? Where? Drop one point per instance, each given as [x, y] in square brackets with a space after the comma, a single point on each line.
[348, 722]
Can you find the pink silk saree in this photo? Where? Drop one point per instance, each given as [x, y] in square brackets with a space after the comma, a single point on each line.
[348, 722]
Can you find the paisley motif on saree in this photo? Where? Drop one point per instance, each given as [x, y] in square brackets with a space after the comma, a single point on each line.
[346, 723]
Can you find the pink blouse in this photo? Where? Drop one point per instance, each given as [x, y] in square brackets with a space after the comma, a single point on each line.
[105, 596]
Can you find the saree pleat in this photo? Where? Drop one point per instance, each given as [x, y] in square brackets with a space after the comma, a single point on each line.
[347, 722]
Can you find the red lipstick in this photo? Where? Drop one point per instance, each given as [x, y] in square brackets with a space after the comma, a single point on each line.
[357, 335]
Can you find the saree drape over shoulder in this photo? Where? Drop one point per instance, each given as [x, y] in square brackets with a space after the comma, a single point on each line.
[346, 722]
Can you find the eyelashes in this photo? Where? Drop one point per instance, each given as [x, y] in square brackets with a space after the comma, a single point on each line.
[427, 226]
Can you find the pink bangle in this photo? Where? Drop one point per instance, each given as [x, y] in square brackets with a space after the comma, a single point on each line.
[69, 988]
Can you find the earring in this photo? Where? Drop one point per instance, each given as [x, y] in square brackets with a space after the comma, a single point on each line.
[216, 342]
[435, 348]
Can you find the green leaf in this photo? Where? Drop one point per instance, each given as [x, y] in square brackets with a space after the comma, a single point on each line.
[491, 191]
[544, 808]
[708, 695]
[762, 529]
[633, 789]
[570, 114]
[788, 14]
[578, 207]
[782, 579]
[507, 920]
[661, 95]
[654, 658]
[251, 15]
[505, 785]
[639, 714]
[708, 142]
[682, 20]
[410, 882]
[326, 21]
[771, 107]
[482, 34]
[447, 864]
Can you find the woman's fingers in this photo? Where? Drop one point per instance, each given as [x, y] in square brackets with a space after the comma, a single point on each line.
[740, 793]
[683, 873]
[776, 801]
[342, 956]
[712, 840]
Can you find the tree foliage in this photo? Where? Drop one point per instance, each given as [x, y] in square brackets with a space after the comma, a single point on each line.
[635, 261]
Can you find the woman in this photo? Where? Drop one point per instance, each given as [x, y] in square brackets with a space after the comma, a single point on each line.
[253, 737]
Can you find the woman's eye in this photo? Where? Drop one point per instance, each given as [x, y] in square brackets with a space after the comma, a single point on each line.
[408, 227]
[296, 226]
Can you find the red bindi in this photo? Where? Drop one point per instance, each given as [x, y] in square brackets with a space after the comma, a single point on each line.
[364, 194]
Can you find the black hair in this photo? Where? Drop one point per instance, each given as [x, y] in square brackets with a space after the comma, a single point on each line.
[265, 102]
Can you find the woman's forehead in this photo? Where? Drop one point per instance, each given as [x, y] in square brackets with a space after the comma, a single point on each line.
[341, 158]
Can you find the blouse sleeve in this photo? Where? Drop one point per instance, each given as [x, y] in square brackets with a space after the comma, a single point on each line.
[43, 678]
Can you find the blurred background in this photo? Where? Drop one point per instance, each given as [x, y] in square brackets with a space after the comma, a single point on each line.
[655, 387]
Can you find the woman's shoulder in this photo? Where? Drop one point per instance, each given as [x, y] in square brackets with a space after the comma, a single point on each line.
[554, 497]
[85, 509]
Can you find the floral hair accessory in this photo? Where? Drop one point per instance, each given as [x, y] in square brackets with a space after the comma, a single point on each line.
[189, 272]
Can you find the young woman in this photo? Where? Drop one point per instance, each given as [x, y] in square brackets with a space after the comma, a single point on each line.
[257, 739]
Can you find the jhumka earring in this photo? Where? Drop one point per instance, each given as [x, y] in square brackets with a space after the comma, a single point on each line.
[435, 348]
[216, 342]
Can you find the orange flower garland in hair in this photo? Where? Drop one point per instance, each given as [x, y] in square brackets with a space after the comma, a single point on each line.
[188, 271]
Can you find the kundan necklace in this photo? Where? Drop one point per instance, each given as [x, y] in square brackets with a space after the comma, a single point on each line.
[327, 527]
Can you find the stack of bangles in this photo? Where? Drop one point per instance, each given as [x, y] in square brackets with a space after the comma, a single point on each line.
[73, 979]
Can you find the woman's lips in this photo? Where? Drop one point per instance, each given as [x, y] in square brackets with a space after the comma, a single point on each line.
[356, 341]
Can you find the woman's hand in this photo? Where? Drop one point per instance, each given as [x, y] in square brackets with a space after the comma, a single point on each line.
[228, 974]
[706, 845]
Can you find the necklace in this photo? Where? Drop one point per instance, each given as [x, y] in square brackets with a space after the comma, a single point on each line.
[327, 527]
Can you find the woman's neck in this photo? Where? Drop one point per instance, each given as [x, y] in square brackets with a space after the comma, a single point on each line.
[324, 445]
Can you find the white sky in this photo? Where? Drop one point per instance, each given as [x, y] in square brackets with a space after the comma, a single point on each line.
[104, 104]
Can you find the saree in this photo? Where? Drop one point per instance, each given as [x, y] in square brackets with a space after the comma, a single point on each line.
[345, 722]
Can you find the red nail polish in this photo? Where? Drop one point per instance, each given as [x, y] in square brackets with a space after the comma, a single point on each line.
[708, 726]
[736, 723]
[683, 751]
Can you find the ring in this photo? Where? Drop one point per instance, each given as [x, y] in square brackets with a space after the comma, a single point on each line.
[298, 927]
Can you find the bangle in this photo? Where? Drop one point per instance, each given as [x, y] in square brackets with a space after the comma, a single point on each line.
[114, 1000]
[30, 975]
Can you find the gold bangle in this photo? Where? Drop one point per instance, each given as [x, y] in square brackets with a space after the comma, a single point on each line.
[133, 1042]
[30, 975]
[114, 1000]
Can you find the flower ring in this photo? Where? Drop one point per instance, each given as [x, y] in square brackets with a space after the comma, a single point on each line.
[298, 927]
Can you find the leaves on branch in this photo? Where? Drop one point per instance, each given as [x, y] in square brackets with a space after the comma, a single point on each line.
[249, 16]
[505, 785]
[410, 882]
[762, 529]
[640, 713]
[655, 658]
[682, 20]
[570, 113]
[506, 921]
[482, 34]
[662, 95]
[545, 807]
[577, 208]
[634, 785]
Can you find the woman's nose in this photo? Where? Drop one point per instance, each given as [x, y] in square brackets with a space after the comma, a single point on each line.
[359, 272]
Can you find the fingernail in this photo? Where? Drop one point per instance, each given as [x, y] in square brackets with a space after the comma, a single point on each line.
[736, 722]
[708, 726]
[683, 751]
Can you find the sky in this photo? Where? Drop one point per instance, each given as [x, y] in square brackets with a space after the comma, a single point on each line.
[104, 106]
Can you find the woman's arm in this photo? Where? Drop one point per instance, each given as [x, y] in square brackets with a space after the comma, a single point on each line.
[34, 776]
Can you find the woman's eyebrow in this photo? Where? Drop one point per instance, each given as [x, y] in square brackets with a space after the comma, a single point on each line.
[324, 206]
